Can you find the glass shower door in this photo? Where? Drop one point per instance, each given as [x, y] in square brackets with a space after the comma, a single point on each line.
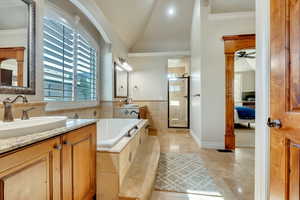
[178, 112]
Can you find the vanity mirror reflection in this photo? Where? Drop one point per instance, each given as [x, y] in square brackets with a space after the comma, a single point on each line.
[17, 46]
[121, 82]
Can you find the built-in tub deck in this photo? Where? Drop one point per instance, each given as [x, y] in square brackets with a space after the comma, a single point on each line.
[127, 169]
[139, 181]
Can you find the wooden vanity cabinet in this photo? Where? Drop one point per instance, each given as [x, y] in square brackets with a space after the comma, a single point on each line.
[62, 168]
[79, 164]
[32, 173]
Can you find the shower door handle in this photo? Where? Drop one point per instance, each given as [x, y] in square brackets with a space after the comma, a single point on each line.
[196, 95]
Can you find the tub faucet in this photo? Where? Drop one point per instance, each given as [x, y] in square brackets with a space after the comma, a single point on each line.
[136, 113]
[7, 104]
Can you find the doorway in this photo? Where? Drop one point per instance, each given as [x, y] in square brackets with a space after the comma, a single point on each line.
[178, 93]
[244, 97]
[233, 46]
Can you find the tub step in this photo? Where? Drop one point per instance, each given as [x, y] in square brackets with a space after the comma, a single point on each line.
[139, 181]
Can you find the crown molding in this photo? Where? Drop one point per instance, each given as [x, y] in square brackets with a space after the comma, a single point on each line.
[231, 15]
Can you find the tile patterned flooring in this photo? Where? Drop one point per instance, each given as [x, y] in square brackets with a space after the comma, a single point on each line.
[234, 172]
[245, 137]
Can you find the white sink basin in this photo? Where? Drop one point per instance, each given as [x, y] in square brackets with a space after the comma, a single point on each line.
[130, 106]
[33, 125]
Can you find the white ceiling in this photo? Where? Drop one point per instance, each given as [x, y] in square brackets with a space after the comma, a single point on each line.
[165, 32]
[225, 6]
[145, 26]
[128, 17]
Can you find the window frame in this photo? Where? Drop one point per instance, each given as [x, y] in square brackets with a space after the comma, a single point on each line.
[57, 14]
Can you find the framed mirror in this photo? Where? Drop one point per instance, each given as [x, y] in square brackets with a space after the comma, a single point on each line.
[17, 46]
[121, 82]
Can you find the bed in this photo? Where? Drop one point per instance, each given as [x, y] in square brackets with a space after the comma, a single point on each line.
[244, 115]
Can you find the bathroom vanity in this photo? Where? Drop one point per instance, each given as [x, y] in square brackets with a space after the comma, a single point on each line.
[59, 164]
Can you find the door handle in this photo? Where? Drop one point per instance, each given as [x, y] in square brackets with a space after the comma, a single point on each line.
[296, 145]
[196, 95]
[274, 123]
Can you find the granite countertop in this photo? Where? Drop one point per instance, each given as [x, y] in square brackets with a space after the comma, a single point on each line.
[13, 143]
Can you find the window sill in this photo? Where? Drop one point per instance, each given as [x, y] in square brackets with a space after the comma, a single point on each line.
[56, 106]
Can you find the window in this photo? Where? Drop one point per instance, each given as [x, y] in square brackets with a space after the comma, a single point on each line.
[237, 87]
[69, 64]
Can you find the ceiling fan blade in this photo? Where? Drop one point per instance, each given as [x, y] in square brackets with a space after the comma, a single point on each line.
[251, 57]
[251, 53]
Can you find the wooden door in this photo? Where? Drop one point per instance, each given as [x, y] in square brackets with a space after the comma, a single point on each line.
[79, 168]
[32, 173]
[285, 100]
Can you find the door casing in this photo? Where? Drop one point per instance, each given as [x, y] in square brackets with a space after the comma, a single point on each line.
[232, 44]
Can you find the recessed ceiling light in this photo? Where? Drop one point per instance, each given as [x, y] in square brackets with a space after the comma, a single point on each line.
[171, 11]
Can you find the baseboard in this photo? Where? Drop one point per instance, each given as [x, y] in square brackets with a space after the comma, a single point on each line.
[245, 146]
[207, 145]
[212, 145]
[197, 140]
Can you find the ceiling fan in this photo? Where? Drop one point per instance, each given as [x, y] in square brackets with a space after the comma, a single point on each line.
[244, 54]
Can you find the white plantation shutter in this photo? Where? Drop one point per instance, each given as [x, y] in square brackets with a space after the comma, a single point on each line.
[69, 64]
[86, 74]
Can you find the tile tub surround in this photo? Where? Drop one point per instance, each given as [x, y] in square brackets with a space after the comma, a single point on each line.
[157, 113]
[14, 143]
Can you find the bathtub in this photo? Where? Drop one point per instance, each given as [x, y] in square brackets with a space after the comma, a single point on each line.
[116, 152]
[111, 131]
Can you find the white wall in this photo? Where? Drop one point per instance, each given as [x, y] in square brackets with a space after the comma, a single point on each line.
[150, 77]
[115, 49]
[195, 109]
[262, 147]
[213, 74]
[95, 14]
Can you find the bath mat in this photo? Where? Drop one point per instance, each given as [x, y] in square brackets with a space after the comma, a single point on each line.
[184, 173]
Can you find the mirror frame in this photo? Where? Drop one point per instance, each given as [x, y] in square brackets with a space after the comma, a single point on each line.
[115, 83]
[31, 63]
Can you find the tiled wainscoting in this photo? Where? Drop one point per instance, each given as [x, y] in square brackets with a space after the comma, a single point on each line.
[157, 112]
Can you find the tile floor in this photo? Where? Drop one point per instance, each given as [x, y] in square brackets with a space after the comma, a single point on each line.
[233, 172]
[245, 137]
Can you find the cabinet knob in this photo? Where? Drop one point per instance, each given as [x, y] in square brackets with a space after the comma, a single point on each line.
[66, 142]
[58, 147]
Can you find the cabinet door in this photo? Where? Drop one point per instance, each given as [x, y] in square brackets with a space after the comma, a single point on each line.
[32, 173]
[79, 164]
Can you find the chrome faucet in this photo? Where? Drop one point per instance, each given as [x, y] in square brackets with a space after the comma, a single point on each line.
[7, 104]
[128, 100]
